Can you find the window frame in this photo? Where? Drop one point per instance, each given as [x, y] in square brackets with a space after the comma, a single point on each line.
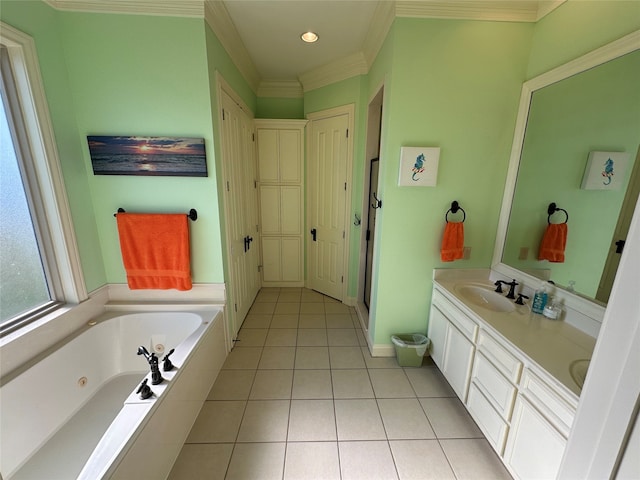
[43, 174]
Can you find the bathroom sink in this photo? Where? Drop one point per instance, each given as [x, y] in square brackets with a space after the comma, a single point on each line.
[485, 297]
[578, 370]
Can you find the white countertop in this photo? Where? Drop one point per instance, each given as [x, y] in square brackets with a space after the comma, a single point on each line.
[551, 344]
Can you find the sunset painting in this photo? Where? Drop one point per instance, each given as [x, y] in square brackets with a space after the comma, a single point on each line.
[156, 156]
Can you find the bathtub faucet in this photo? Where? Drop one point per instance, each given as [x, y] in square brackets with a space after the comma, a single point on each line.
[167, 366]
[156, 376]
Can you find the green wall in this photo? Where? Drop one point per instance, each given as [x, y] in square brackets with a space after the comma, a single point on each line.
[455, 85]
[578, 27]
[42, 23]
[287, 108]
[145, 75]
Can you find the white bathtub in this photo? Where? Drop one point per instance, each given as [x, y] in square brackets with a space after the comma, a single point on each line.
[74, 412]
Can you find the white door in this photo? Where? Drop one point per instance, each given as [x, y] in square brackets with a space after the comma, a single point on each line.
[327, 174]
[240, 208]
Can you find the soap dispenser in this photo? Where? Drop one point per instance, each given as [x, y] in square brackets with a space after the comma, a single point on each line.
[540, 299]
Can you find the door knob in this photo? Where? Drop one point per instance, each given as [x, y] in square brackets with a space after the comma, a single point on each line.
[313, 234]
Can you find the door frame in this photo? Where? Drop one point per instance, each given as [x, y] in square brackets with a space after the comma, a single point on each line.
[348, 110]
[223, 86]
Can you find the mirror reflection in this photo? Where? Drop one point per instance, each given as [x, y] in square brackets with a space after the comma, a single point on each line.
[597, 110]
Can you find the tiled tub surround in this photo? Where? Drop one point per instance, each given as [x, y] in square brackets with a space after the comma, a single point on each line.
[511, 370]
[76, 403]
[300, 397]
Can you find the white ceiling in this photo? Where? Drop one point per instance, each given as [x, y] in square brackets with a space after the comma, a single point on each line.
[270, 31]
[263, 36]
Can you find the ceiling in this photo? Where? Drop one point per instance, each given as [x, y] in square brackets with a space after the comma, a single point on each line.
[263, 36]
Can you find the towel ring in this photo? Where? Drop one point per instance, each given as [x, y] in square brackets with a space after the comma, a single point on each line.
[553, 208]
[455, 206]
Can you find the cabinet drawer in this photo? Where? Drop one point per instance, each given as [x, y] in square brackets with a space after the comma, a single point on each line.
[494, 385]
[557, 408]
[489, 421]
[466, 326]
[501, 358]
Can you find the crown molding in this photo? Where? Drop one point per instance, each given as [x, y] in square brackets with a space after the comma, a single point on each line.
[545, 7]
[218, 18]
[383, 18]
[280, 89]
[333, 72]
[523, 11]
[183, 8]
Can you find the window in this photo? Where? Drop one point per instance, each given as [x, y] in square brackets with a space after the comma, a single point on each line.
[39, 265]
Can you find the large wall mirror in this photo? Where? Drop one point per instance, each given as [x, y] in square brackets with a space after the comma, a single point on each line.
[589, 105]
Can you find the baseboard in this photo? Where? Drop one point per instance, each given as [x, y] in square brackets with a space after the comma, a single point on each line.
[383, 351]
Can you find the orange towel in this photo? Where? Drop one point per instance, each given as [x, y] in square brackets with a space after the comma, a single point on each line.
[155, 250]
[452, 242]
[553, 242]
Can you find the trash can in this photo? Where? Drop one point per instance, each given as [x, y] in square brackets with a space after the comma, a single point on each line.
[410, 349]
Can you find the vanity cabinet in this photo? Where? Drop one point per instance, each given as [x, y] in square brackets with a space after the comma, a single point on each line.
[452, 335]
[540, 426]
[522, 411]
[280, 152]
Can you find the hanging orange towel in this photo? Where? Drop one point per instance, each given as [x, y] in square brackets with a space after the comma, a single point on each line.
[155, 250]
[553, 242]
[452, 242]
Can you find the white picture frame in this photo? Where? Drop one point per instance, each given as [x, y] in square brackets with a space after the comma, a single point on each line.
[418, 166]
[605, 171]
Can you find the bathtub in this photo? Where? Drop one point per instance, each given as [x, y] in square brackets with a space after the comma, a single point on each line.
[74, 411]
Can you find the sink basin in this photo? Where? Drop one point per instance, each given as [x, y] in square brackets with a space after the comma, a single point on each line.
[578, 370]
[485, 297]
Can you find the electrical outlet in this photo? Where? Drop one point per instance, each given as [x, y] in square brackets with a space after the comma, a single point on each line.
[524, 253]
[466, 253]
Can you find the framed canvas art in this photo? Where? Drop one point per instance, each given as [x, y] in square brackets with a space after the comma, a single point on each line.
[605, 171]
[418, 166]
[155, 156]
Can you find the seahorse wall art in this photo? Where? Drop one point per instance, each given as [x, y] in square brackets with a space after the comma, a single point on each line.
[418, 167]
[608, 172]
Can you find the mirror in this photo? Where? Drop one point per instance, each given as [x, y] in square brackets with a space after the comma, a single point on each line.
[589, 105]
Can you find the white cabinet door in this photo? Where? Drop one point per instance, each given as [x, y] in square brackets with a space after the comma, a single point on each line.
[534, 448]
[437, 334]
[458, 359]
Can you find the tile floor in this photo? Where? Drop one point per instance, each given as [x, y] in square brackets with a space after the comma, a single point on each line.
[300, 397]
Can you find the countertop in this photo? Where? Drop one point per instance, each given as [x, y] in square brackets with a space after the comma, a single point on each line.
[551, 344]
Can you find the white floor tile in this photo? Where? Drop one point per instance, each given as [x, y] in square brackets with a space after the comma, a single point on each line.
[278, 358]
[473, 459]
[311, 420]
[429, 382]
[312, 308]
[243, 358]
[232, 385]
[312, 337]
[366, 461]
[342, 337]
[404, 418]
[218, 422]
[312, 357]
[449, 418]
[358, 420]
[339, 321]
[285, 321]
[312, 384]
[351, 384]
[391, 383]
[346, 357]
[312, 461]
[262, 308]
[287, 309]
[312, 320]
[257, 321]
[251, 461]
[252, 337]
[206, 461]
[421, 460]
[272, 385]
[378, 362]
[265, 421]
[279, 337]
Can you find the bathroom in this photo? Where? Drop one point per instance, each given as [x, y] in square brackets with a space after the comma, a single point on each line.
[450, 83]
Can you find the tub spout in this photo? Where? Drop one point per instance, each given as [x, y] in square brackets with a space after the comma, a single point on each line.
[167, 366]
[156, 376]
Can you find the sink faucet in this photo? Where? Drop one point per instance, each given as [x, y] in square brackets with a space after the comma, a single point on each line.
[156, 376]
[512, 289]
[499, 284]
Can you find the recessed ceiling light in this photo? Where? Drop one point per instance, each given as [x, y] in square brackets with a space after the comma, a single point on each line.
[309, 37]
